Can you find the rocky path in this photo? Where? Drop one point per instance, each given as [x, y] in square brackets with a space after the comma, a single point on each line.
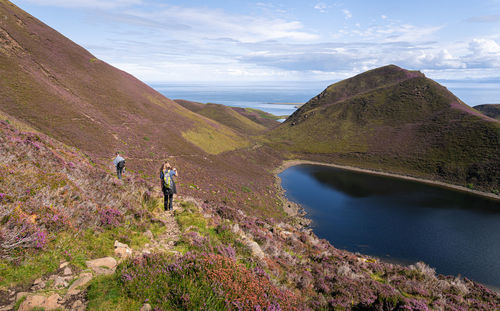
[66, 290]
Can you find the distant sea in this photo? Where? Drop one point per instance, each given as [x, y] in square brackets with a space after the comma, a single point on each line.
[255, 95]
[264, 95]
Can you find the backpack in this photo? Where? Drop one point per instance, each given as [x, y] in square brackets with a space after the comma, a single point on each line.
[167, 180]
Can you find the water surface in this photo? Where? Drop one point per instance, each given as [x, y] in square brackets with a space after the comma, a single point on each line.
[245, 95]
[400, 220]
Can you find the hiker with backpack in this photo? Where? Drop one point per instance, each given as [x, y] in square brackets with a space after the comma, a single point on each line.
[119, 163]
[168, 185]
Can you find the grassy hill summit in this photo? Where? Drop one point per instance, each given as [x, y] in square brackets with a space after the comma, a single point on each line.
[396, 120]
[241, 120]
[491, 110]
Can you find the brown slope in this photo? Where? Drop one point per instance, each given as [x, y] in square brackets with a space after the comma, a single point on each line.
[258, 116]
[491, 110]
[225, 115]
[60, 89]
[65, 91]
[397, 120]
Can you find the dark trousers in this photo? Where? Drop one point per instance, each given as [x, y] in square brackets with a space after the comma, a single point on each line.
[168, 196]
[119, 169]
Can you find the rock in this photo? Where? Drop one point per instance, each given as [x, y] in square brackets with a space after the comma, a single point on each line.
[255, 248]
[63, 265]
[59, 282]
[235, 228]
[82, 280]
[78, 306]
[47, 303]
[7, 308]
[118, 244]
[38, 285]
[149, 234]
[122, 252]
[146, 307]
[20, 295]
[67, 271]
[106, 265]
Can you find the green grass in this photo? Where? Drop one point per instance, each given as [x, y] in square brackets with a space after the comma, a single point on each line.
[76, 249]
[264, 114]
[214, 141]
[107, 293]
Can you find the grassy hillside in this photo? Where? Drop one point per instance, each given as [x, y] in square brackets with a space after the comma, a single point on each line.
[224, 115]
[62, 90]
[58, 207]
[491, 110]
[396, 120]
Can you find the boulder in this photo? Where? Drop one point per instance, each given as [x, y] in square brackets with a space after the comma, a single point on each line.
[20, 295]
[37, 301]
[106, 265]
[67, 271]
[82, 280]
[255, 248]
[78, 306]
[146, 307]
[38, 285]
[122, 252]
[63, 265]
[59, 282]
[118, 244]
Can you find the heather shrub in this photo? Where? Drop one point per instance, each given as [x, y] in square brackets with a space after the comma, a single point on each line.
[203, 281]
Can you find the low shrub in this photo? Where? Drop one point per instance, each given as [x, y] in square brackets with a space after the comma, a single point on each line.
[203, 281]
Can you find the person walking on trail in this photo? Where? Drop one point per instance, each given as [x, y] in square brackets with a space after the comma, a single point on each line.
[119, 163]
[168, 185]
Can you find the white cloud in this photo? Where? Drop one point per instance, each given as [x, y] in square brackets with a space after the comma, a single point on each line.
[383, 16]
[484, 53]
[207, 23]
[321, 7]
[347, 13]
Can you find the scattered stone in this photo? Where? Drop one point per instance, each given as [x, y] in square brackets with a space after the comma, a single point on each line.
[235, 228]
[47, 303]
[20, 295]
[78, 306]
[255, 248]
[106, 265]
[122, 252]
[82, 280]
[38, 285]
[7, 308]
[59, 282]
[149, 234]
[118, 244]
[67, 271]
[63, 265]
[146, 307]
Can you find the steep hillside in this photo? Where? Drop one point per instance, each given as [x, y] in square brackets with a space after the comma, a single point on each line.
[60, 210]
[62, 90]
[491, 110]
[396, 120]
[258, 116]
[225, 115]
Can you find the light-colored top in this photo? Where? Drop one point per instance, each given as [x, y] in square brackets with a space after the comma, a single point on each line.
[117, 160]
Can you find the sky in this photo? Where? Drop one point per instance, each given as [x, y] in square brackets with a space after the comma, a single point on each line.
[272, 41]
